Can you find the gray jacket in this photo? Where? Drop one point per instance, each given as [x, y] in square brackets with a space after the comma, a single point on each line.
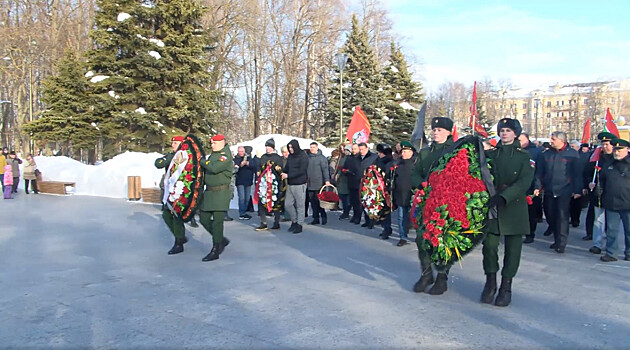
[15, 166]
[318, 171]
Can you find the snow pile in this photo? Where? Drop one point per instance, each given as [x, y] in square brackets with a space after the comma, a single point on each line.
[407, 105]
[157, 42]
[281, 140]
[140, 110]
[106, 180]
[97, 78]
[123, 16]
[89, 74]
[155, 55]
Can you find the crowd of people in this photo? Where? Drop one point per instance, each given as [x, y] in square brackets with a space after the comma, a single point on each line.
[552, 181]
[10, 173]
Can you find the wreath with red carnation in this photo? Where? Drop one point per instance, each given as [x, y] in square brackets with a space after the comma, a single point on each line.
[375, 197]
[449, 210]
[270, 189]
[184, 180]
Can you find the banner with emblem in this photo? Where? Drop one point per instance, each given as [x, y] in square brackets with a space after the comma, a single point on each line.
[184, 179]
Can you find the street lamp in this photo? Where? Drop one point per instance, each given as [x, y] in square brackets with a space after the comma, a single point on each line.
[536, 103]
[342, 59]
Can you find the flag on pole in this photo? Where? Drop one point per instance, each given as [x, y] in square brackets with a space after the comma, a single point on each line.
[586, 134]
[418, 129]
[359, 129]
[596, 154]
[473, 122]
[610, 124]
[455, 134]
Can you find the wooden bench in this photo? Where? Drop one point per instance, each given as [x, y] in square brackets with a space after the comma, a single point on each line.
[54, 187]
[151, 195]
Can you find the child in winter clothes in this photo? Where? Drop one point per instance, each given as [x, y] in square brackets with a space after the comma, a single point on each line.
[8, 182]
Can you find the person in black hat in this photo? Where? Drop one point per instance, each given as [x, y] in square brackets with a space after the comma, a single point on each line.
[535, 208]
[401, 189]
[595, 217]
[615, 183]
[512, 176]
[273, 159]
[577, 204]
[441, 130]
[384, 162]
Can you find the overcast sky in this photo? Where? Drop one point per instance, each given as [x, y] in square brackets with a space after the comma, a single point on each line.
[534, 43]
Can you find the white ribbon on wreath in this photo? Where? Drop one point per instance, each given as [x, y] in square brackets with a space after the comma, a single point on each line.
[173, 187]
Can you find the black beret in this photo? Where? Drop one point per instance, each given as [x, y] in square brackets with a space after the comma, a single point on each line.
[620, 143]
[442, 122]
[384, 148]
[511, 124]
[585, 145]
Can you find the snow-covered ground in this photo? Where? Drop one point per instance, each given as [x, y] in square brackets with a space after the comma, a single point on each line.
[109, 179]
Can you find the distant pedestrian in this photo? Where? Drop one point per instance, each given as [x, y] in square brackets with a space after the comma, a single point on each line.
[244, 179]
[3, 161]
[318, 176]
[401, 189]
[30, 174]
[295, 172]
[8, 182]
[15, 162]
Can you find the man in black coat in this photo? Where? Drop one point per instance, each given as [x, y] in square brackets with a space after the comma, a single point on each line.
[401, 189]
[295, 172]
[576, 206]
[562, 180]
[615, 182]
[384, 162]
[245, 168]
[365, 159]
[534, 209]
[595, 215]
[275, 160]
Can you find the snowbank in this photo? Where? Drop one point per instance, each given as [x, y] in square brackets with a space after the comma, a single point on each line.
[281, 140]
[106, 180]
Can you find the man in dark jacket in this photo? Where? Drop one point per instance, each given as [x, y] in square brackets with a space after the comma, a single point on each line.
[244, 179]
[575, 208]
[441, 130]
[401, 189]
[384, 162]
[318, 176]
[512, 176]
[562, 180]
[351, 167]
[295, 172]
[365, 159]
[595, 215]
[274, 160]
[615, 181]
[534, 209]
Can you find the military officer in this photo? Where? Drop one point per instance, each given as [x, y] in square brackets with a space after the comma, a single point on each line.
[174, 223]
[513, 174]
[216, 197]
[441, 129]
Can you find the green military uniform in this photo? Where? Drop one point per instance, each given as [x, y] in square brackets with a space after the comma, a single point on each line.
[426, 160]
[174, 223]
[513, 174]
[216, 197]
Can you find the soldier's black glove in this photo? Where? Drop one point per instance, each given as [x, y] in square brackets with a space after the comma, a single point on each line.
[496, 200]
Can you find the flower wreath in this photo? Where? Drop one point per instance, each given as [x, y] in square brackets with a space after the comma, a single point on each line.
[185, 179]
[449, 210]
[270, 187]
[374, 195]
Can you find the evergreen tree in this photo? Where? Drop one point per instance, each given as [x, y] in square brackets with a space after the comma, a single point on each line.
[65, 119]
[362, 87]
[401, 91]
[148, 73]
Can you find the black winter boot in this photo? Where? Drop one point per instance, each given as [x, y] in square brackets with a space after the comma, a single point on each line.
[178, 247]
[441, 284]
[214, 253]
[426, 276]
[505, 292]
[490, 289]
[224, 244]
[293, 227]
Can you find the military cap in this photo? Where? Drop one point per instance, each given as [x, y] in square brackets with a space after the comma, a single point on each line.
[407, 145]
[177, 138]
[218, 138]
[511, 124]
[442, 122]
[606, 136]
[620, 143]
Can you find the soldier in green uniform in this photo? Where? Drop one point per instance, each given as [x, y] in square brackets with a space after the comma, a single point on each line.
[216, 197]
[174, 223]
[513, 174]
[441, 129]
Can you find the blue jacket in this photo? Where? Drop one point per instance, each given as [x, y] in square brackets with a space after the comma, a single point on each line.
[559, 173]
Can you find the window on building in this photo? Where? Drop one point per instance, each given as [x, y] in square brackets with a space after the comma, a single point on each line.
[557, 114]
[562, 114]
[548, 103]
[562, 103]
[585, 101]
[524, 105]
[548, 115]
[524, 115]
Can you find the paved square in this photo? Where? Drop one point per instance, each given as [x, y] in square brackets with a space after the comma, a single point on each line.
[84, 271]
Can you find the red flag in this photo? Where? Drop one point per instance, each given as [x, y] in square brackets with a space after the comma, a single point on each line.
[596, 153]
[359, 129]
[610, 124]
[455, 135]
[472, 122]
[586, 134]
